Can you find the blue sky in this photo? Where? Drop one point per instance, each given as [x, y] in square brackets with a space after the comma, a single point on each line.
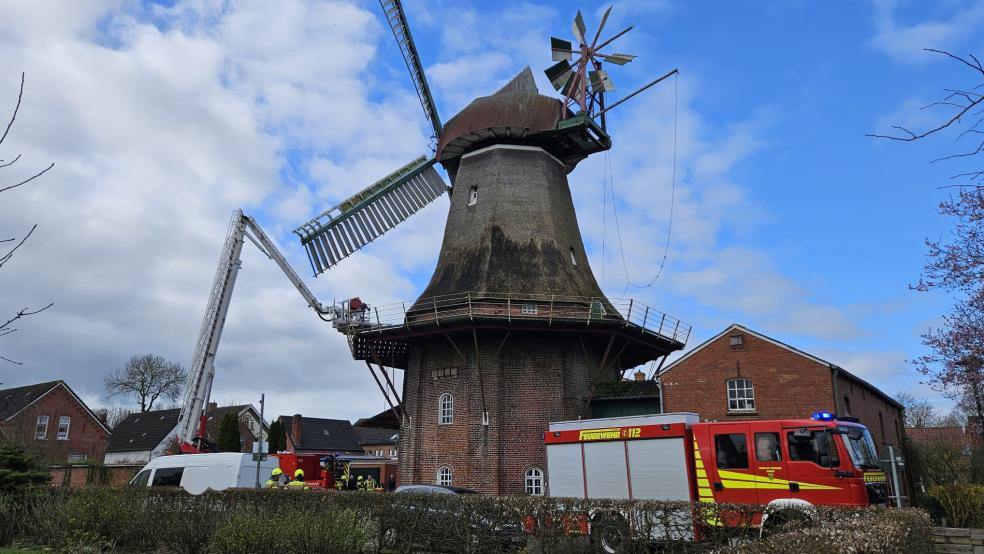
[162, 118]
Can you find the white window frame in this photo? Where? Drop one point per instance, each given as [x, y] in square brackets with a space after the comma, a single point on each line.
[445, 409]
[529, 309]
[473, 196]
[741, 395]
[533, 482]
[77, 458]
[41, 428]
[67, 421]
[445, 476]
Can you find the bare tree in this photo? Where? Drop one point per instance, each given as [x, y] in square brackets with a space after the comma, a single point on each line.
[148, 377]
[114, 415]
[7, 327]
[918, 411]
[963, 107]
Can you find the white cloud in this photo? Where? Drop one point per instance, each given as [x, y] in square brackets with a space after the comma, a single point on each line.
[906, 41]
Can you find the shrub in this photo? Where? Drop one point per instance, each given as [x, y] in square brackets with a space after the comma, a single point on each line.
[957, 505]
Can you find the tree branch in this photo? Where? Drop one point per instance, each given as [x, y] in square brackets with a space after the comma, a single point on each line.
[12, 162]
[6, 257]
[11, 361]
[28, 180]
[23, 313]
[17, 107]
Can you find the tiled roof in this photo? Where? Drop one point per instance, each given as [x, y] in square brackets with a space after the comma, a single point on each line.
[325, 435]
[214, 418]
[375, 435]
[951, 435]
[16, 399]
[384, 419]
[140, 432]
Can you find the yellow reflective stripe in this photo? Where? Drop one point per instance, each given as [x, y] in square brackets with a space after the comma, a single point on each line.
[772, 483]
[701, 473]
[700, 464]
[703, 483]
[705, 493]
[738, 484]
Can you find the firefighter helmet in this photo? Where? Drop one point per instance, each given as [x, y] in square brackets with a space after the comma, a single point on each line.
[276, 472]
[299, 473]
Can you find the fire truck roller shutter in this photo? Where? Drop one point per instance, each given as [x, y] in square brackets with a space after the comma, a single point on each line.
[659, 469]
[604, 467]
[564, 476]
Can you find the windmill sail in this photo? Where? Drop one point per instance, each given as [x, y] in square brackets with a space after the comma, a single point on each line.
[397, 19]
[347, 227]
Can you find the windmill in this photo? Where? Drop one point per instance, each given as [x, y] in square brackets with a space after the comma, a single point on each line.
[512, 331]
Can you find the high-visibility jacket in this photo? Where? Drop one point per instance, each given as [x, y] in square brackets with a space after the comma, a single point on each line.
[298, 485]
[272, 483]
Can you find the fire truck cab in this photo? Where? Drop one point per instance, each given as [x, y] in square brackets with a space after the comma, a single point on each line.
[789, 462]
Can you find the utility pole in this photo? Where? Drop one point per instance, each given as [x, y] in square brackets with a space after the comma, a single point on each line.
[258, 455]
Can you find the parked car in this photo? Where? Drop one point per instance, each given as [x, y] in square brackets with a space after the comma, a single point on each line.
[197, 473]
[412, 525]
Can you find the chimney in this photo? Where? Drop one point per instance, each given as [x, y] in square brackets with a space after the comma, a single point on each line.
[295, 430]
[211, 407]
[639, 376]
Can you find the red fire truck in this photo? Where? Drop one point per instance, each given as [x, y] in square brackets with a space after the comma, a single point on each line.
[775, 463]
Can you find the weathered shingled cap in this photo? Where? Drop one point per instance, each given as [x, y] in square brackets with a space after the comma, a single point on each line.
[516, 114]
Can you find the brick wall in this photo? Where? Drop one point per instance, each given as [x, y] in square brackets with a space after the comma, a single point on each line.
[535, 379]
[787, 385]
[85, 434]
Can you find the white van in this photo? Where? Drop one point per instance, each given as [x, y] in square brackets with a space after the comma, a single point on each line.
[197, 473]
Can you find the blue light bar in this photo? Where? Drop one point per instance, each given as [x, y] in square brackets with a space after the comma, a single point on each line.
[823, 416]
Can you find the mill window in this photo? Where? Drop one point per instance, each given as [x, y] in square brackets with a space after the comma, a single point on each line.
[847, 406]
[741, 395]
[445, 409]
[529, 309]
[473, 196]
[573, 258]
[736, 340]
[444, 476]
[534, 481]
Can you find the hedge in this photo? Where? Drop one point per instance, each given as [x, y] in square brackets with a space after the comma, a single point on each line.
[956, 505]
[141, 520]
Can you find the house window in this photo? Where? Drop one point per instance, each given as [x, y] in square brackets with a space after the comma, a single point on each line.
[445, 410]
[473, 196]
[741, 395]
[847, 406]
[444, 476]
[736, 340]
[898, 434]
[41, 432]
[64, 422]
[529, 309]
[77, 458]
[392, 452]
[881, 427]
[534, 481]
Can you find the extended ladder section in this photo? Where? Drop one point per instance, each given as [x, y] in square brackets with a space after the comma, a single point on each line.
[190, 421]
[397, 19]
[341, 230]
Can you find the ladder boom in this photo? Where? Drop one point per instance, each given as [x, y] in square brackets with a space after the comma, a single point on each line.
[202, 370]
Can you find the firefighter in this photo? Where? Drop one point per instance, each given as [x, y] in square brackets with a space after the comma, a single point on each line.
[274, 481]
[370, 484]
[298, 482]
[361, 485]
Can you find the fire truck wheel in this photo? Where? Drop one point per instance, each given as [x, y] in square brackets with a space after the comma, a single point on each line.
[781, 520]
[610, 534]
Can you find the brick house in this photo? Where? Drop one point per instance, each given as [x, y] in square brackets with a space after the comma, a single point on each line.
[56, 419]
[742, 374]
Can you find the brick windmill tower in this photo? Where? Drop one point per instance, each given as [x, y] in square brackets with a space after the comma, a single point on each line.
[512, 331]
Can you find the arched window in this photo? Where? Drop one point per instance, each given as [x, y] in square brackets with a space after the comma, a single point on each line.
[847, 406]
[444, 476]
[534, 481]
[445, 409]
[741, 395]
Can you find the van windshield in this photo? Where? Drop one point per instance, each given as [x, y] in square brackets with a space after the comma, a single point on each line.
[141, 479]
[861, 447]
